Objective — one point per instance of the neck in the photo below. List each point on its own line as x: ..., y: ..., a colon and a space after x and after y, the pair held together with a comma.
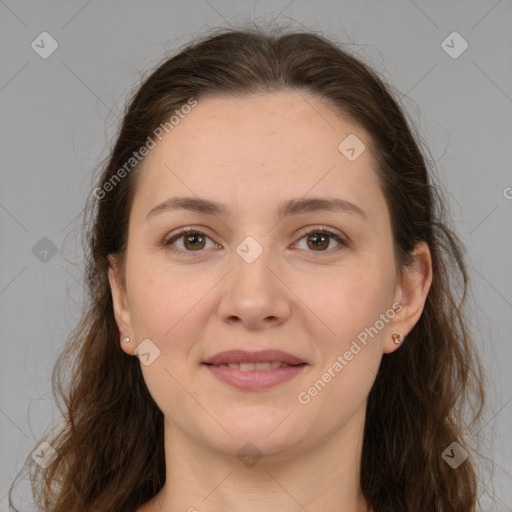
x: 324, y: 478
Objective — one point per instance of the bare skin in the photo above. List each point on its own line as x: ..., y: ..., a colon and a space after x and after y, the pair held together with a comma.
x: 308, y: 297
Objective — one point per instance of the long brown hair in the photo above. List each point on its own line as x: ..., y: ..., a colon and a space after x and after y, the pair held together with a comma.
x: 110, y: 450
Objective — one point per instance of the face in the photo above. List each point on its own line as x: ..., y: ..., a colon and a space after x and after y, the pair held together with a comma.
x: 318, y: 284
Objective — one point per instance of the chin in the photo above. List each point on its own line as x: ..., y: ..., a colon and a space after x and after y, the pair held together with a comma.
x: 266, y: 431
x: 255, y: 444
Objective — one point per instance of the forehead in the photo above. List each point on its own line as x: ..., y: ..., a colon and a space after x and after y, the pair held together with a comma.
x: 291, y: 123
x: 266, y: 145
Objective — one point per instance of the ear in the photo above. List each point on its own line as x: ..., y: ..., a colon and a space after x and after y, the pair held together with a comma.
x: 411, y: 293
x: 121, y: 307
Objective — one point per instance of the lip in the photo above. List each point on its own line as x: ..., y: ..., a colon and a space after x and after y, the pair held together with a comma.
x: 261, y: 356
x: 254, y: 380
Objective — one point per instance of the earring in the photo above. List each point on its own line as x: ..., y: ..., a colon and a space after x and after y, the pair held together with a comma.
x: 125, y: 340
x: 397, y: 338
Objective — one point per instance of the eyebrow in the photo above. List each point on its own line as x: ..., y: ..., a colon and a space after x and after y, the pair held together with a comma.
x: 286, y: 208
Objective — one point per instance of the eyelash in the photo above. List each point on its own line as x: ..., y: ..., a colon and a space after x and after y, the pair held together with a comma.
x: 319, y: 230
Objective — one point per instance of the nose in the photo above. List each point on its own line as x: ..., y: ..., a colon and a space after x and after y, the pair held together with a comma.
x: 254, y: 293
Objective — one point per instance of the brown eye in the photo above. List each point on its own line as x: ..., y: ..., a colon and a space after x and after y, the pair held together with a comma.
x: 318, y: 240
x: 192, y: 241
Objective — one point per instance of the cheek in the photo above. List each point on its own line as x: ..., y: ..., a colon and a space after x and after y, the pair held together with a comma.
x: 163, y: 306
x: 170, y: 307
x: 349, y: 349
x: 160, y: 297
x: 347, y: 301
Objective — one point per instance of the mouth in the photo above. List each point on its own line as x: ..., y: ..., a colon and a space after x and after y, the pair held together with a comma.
x: 254, y: 371
x: 250, y: 367
x: 244, y: 357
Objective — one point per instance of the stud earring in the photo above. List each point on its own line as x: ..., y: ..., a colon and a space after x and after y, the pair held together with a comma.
x: 125, y: 340
x: 397, y: 338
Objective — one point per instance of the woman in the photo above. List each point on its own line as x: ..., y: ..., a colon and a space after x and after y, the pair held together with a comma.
x: 274, y: 322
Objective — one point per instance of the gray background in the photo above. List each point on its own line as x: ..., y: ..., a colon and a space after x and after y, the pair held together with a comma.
x: 58, y: 116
